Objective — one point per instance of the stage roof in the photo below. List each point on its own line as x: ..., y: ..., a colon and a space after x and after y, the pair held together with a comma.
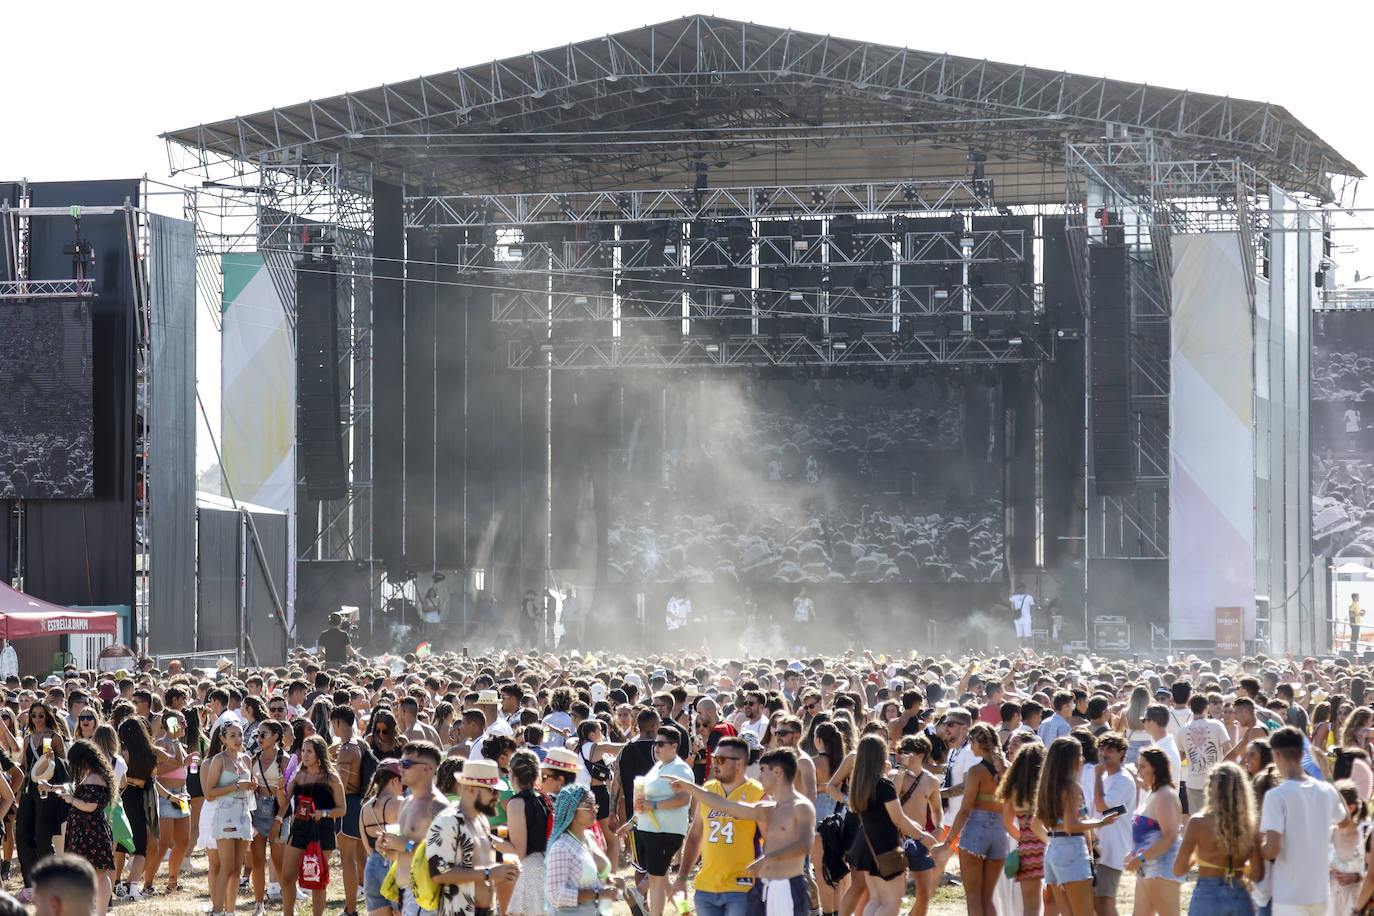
x: 762, y: 106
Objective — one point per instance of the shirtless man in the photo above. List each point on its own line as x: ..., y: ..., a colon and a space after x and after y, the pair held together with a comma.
x: 419, y: 762
x: 1246, y: 729
x: 348, y: 759
x: 788, y: 820
x: 919, y: 792
x: 789, y: 735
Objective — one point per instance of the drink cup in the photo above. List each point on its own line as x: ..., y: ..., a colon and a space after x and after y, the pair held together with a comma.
x: 640, y: 801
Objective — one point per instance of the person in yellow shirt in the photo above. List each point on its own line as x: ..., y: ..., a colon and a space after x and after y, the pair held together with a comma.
x: 726, y: 845
x: 1356, y: 615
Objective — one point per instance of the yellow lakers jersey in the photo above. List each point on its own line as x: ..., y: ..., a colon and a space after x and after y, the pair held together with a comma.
x: 727, y: 845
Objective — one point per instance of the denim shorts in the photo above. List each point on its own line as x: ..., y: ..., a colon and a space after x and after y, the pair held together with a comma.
x: 374, y: 873
x: 1066, y: 860
x: 721, y: 903
x: 1163, y: 866
x: 1219, y: 897
x: 825, y: 806
x: 170, y: 812
x: 984, y: 835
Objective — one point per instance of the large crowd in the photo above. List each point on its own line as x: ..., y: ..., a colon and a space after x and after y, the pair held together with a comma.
x: 543, y: 784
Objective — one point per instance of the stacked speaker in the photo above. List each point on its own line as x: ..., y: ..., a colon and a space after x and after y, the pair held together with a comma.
x: 1110, y: 337
x: 319, y: 432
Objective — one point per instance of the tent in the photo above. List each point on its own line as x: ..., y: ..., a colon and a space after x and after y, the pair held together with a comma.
x: 23, y: 616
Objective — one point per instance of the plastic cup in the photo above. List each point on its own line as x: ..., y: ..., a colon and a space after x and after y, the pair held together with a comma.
x: 640, y: 801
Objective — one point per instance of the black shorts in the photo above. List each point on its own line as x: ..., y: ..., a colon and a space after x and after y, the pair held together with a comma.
x: 305, y: 831
x: 602, y: 795
x: 654, y: 852
x: 353, y: 809
x: 756, y: 905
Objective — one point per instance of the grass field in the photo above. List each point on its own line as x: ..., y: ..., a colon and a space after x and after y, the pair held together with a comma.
x: 193, y: 897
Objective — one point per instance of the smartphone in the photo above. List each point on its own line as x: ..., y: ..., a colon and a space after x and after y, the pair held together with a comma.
x: 465, y: 652
x: 1116, y: 809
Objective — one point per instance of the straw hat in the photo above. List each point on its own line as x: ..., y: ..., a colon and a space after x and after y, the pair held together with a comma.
x: 481, y: 773
x: 488, y: 698
x: 44, y: 768
x: 560, y: 758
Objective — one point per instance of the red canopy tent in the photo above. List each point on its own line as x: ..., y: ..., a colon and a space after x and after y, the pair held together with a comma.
x: 23, y: 616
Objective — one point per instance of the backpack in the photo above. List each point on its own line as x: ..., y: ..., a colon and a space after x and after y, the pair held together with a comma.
x: 831, y: 831
x: 314, y: 868
x: 367, y: 766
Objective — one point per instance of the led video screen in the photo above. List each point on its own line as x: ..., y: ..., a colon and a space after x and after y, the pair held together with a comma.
x: 47, y: 438
x: 731, y: 479
x: 1343, y: 434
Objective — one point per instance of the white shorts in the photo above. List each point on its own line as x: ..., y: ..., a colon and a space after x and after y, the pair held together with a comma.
x: 1023, y: 628
x: 1300, y: 909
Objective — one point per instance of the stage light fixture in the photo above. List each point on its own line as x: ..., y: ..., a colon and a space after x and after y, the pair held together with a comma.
x: 712, y: 232
x: 760, y: 198
x: 622, y: 200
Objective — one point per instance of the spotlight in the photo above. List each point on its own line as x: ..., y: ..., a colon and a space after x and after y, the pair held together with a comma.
x: 760, y: 198
x: 622, y: 200
x: 817, y: 197
x: 909, y: 193
x: 712, y: 232
x: 900, y: 225
x: 795, y: 229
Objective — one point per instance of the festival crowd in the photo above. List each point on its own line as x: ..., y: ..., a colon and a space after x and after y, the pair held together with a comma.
x: 526, y: 784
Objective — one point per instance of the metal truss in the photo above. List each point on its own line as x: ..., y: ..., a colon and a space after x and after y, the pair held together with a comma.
x: 764, y: 202
x: 720, y: 83
x: 280, y: 210
x: 529, y: 305
x: 46, y: 289
x: 783, y: 351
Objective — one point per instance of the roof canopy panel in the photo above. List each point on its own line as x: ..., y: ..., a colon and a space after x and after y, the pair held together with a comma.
x: 759, y: 105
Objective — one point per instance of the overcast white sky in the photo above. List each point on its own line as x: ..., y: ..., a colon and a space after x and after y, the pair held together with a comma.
x: 180, y: 64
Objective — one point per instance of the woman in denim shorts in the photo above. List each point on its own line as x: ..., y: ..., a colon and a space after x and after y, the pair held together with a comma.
x: 1061, y: 809
x: 1154, y: 837
x: 983, y: 841
x: 1224, y: 837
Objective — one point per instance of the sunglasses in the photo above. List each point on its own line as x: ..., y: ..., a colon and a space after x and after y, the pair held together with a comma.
x: 407, y: 763
x: 720, y: 759
x: 85, y: 718
x: 382, y: 733
x: 784, y: 732
x: 811, y: 707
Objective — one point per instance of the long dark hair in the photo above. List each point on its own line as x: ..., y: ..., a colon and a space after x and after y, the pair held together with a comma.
x: 85, y: 757
x: 1161, y: 769
x: 827, y: 736
x: 138, y: 747
x: 1022, y: 779
x: 276, y: 729
x: 1058, y: 775
x: 870, y: 763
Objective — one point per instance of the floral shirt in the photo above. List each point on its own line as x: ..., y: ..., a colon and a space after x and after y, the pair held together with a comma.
x: 452, y: 842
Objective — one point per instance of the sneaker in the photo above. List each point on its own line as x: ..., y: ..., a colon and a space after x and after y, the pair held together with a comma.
x: 274, y: 891
x: 243, y: 883
x: 260, y: 910
x: 4, y: 871
x: 121, y: 889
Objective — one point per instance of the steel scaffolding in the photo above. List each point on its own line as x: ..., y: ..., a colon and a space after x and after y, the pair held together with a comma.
x: 280, y: 207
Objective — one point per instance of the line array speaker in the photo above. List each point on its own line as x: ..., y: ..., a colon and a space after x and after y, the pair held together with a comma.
x: 1110, y: 335
x: 319, y: 431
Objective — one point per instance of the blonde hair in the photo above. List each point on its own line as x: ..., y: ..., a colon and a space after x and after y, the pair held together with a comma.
x: 986, y: 739
x: 1358, y: 719
x: 1231, y: 803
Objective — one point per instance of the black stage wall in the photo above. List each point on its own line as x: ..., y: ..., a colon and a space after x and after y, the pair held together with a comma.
x: 81, y: 552
x: 474, y: 436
